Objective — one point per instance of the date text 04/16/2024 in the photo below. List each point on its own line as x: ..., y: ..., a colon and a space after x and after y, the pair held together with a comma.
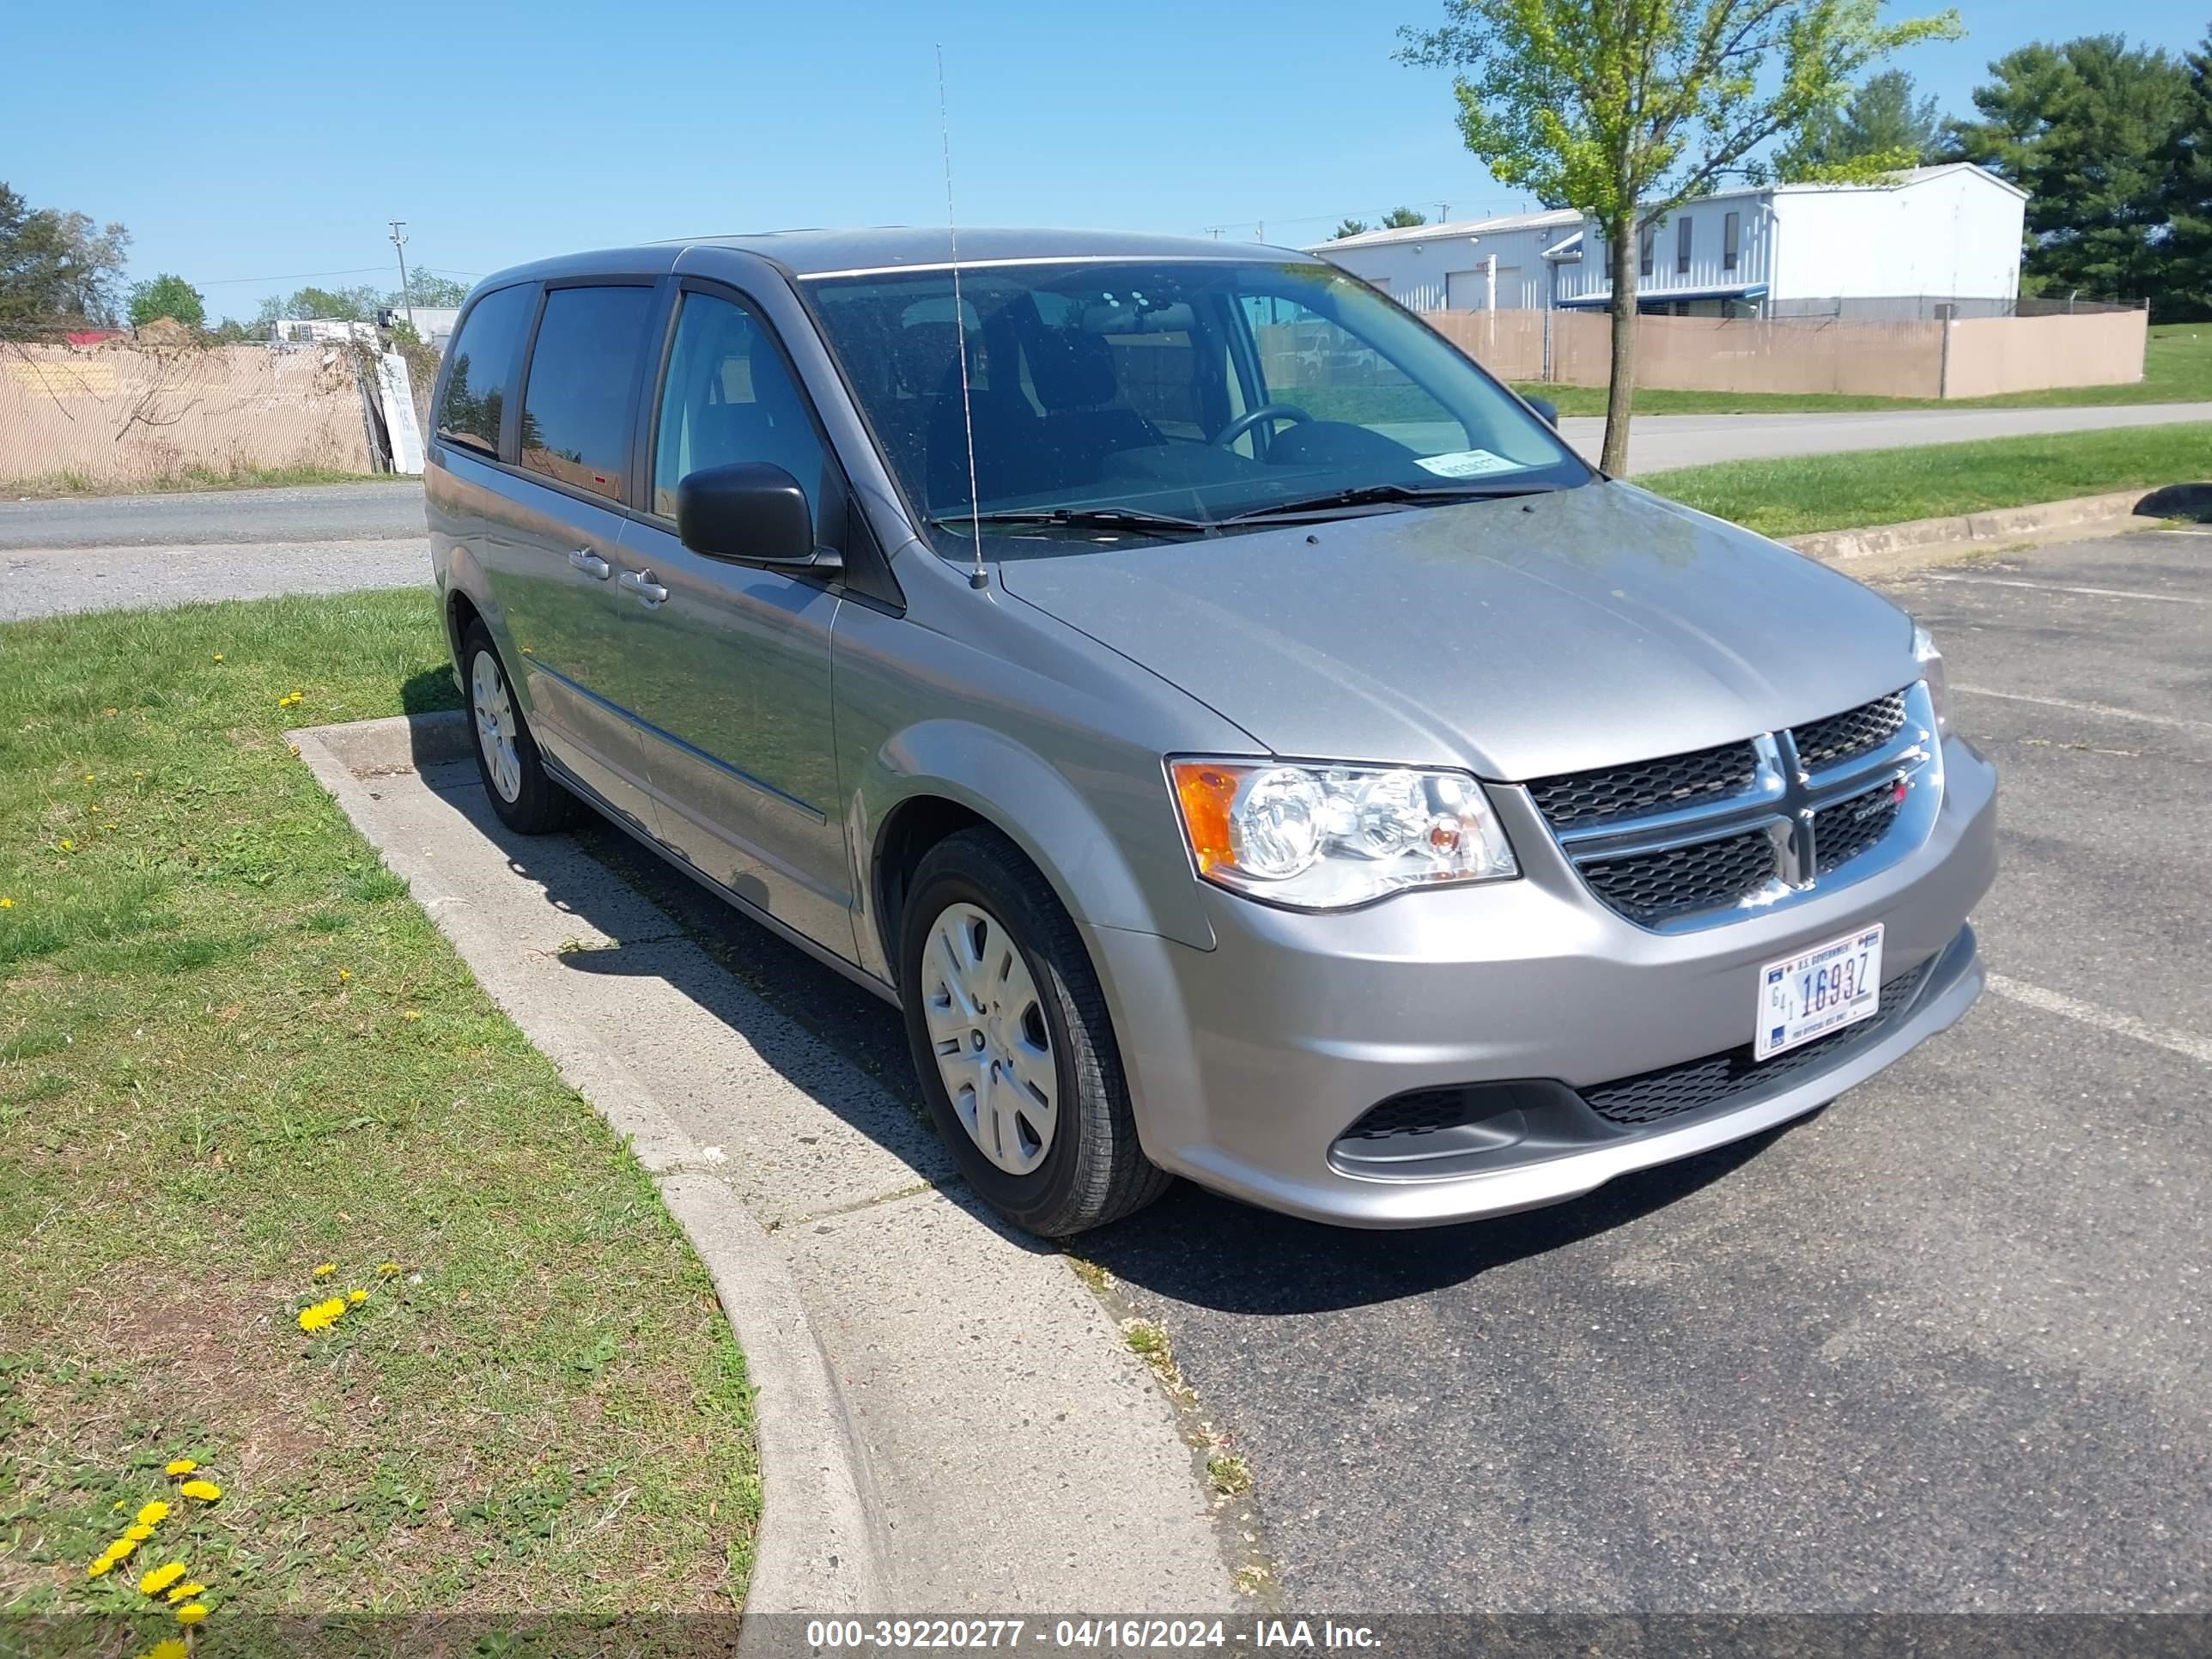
x: 1093, y: 1634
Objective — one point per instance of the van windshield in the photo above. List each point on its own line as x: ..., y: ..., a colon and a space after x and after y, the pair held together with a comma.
x: 1170, y: 396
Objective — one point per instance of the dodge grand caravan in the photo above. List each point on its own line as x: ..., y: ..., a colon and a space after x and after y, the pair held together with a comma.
x: 1240, y: 735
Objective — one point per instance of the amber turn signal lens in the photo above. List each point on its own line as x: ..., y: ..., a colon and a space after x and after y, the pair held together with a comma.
x: 1205, y: 790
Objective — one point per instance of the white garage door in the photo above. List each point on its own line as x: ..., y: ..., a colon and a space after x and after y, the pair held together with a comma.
x: 1469, y: 290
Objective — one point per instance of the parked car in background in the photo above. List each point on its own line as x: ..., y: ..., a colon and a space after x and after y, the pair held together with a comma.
x: 1241, y: 737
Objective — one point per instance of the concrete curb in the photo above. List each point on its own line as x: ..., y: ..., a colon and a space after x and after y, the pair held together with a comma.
x: 816, y: 1550
x: 2108, y: 515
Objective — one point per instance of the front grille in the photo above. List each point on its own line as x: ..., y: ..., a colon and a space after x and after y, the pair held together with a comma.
x: 1697, y: 1084
x: 1854, y: 732
x: 1842, y: 832
x: 1650, y: 887
x: 1659, y: 786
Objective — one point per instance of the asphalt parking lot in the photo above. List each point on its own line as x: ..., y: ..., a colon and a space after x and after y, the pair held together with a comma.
x: 1943, y: 1345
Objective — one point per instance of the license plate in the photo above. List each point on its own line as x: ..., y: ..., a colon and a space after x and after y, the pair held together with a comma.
x: 1820, y: 990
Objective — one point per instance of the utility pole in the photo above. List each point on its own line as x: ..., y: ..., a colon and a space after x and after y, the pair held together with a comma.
x: 399, y: 241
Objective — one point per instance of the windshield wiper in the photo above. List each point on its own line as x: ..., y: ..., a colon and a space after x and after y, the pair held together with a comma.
x: 1077, y: 518
x: 1377, y: 494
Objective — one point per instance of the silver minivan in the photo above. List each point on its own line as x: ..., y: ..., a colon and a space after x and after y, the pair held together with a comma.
x: 1237, y: 731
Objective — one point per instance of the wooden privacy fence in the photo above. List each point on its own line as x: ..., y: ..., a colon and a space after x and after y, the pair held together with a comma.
x: 1977, y: 358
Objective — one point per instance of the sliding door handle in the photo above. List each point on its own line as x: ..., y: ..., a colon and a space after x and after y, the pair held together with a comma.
x: 641, y: 582
x: 590, y: 562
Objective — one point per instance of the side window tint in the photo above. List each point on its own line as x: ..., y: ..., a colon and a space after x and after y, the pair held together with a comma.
x: 729, y: 397
x: 576, y: 407
x: 484, y: 363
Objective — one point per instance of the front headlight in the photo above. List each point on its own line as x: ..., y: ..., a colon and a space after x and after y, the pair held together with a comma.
x: 1323, y: 837
x: 1931, y: 673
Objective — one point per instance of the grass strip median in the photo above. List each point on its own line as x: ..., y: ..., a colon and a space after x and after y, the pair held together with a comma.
x: 1806, y: 493
x: 242, y: 1077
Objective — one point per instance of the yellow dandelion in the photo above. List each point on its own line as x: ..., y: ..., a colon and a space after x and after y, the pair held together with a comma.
x: 186, y: 1592
x: 356, y: 1296
x: 154, y: 1514
x: 323, y: 1270
x: 100, y: 1566
x: 108, y: 826
x: 6, y: 904
x: 192, y: 1613
x: 180, y: 1465
x: 161, y: 1578
x: 168, y: 1647
x: 91, y: 777
x: 206, y: 1491
x: 139, y: 1534
x: 122, y: 1546
x: 387, y: 1269
x: 218, y: 656
x: 345, y: 974
x: 68, y: 846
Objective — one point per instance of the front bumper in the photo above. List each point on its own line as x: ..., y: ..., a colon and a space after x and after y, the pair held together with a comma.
x: 1247, y: 1062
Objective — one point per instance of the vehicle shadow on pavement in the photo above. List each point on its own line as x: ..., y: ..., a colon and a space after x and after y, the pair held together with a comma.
x: 1199, y: 1247
x: 1192, y: 1246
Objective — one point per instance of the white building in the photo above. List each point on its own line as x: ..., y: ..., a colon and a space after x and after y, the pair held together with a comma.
x: 1906, y: 248
x: 1461, y: 267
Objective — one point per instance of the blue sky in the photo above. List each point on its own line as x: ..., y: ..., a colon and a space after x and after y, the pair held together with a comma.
x: 269, y: 144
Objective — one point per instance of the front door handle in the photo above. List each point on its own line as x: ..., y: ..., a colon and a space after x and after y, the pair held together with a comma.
x: 641, y: 582
x: 590, y: 562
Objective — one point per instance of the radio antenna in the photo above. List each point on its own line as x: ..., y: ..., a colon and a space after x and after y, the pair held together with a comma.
x: 979, y: 577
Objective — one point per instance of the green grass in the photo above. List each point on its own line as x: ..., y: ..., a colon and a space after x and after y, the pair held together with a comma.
x: 2177, y: 369
x: 232, y: 1049
x: 53, y: 485
x: 1795, y: 497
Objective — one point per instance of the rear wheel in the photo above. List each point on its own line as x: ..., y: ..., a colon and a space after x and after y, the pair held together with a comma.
x: 1012, y: 1042
x: 525, y: 798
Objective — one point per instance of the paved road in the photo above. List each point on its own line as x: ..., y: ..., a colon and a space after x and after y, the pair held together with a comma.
x: 1657, y: 442
x: 319, y: 512
x: 1941, y: 1347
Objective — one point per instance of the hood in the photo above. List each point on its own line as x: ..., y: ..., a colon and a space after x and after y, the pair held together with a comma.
x: 1519, y: 637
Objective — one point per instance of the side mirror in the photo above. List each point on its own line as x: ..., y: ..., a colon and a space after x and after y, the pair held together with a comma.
x: 1547, y: 409
x: 751, y: 511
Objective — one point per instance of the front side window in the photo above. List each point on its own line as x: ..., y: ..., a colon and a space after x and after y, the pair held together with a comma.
x: 730, y: 397
x: 483, y: 355
x: 583, y: 374
x: 1200, y: 390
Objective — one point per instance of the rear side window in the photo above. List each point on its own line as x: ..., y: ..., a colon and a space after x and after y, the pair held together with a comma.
x: 484, y: 357
x: 583, y: 375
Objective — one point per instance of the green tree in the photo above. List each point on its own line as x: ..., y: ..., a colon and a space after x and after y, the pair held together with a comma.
x: 56, y: 268
x: 1350, y: 228
x: 1403, y: 218
x: 1885, y: 121
x: 2189, y: 197
x: 2090, y: 130
x: 345, y: 305
x: 428, y: 288
x: 1627, y: 108
x: 168, y: 295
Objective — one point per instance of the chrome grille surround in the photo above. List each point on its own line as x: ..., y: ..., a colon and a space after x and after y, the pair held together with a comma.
x: 1864, y: 794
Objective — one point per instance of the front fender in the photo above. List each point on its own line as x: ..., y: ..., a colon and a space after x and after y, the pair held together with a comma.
x: 1081, y: 843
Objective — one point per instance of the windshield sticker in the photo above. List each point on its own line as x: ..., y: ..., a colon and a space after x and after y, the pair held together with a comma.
x: 1466, y: 464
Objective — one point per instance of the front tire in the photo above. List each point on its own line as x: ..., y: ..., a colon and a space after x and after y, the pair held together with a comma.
x: 524, y: 795
x: 1012, y: 1042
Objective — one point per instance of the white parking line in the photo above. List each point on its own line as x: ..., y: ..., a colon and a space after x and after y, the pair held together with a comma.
x: 2085, y: 707
x: 2062, y: 587
x: 2105, y: 1019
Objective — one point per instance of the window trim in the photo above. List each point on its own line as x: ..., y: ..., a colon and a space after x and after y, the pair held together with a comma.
x: 1647, y: 239
x: 1731, y: 240
x: 1683, y: 244
x: 511, y: 432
